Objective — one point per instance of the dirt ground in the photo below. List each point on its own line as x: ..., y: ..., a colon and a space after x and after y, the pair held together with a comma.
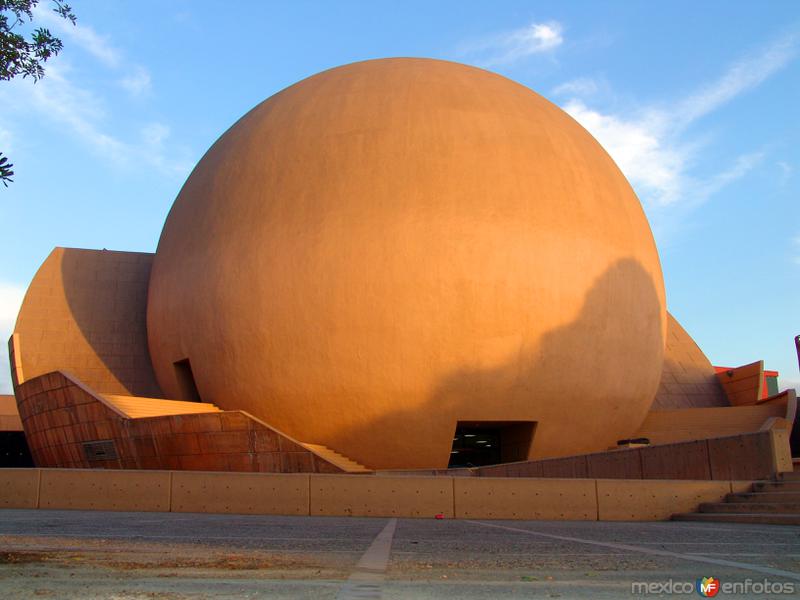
x: 75, y: 554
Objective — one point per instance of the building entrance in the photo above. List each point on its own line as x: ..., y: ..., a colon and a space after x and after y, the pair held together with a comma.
x: 476, y: 444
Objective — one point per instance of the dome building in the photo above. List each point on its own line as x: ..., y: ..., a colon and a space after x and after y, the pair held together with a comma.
x: 389, y: 249
x: 394, y: 264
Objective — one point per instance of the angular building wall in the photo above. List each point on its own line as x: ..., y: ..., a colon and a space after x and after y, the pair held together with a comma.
x: 687, y: 379
x: 69, y: 425
x: 84, y: 313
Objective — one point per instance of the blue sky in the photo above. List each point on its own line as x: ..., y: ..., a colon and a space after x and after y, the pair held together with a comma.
x: 699, y: 104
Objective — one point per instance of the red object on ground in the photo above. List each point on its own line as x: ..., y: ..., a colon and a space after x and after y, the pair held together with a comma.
x: 440, y: 516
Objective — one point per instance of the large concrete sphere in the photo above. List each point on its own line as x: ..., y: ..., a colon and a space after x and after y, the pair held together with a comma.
x: 387, y: 248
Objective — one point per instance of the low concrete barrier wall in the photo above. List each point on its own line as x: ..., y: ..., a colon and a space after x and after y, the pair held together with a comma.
x: 240, y: 493
x: 88, y: 489
x: 358, y: 495
x: 19, y: 488
x: 755, y: 455
x: 516, y: 498
x: 632, y: 500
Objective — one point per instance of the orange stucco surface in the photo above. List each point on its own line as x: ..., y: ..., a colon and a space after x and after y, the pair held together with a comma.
x: 387, y: 248
x: 743, y: 385
x: 84, y: 312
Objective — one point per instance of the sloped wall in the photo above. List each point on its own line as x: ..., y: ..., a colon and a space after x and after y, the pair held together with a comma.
x: 687, y: 380
x: 60, y: 415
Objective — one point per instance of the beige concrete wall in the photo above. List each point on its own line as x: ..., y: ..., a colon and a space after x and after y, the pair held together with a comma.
x: 242, y: 493
x: 19, y: 488
x: 781, y: 451
x: 757, y: 455
x: 87, y: 489
x: 630, y: 500
x: 667, y: 426
x: 360, y: 496
x: 499, y: 498
x: 353, y: 495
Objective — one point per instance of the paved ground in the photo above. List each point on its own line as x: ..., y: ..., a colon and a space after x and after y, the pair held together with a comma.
x: 75, y: 554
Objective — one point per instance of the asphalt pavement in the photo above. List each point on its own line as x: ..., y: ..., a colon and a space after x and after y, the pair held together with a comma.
x: 81, y: 554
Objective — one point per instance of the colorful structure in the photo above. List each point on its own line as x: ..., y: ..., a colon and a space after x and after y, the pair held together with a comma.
x: 395, y: 264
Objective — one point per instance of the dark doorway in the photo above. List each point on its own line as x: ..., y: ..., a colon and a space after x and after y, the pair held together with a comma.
x: 476, y: 444
x: 186, y: 385
x: 14, y: 452
x: 794, y: 437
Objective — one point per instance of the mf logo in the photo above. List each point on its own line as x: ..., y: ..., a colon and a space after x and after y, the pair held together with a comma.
x: 708, y: 587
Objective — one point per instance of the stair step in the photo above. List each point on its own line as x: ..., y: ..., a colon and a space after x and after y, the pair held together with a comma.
x: 751, y: 507
x: 783, y: 497
x: 789, y: 476
x: 759, y: 518
x: 136, y: 407
x: 344, y: 463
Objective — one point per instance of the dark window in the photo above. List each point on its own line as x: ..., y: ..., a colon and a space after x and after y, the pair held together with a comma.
x: 186, y: 385
x: 14, y: 452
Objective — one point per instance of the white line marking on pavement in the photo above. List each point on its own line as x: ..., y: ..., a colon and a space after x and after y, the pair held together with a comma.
x: 366, y: 579
x: 652, y: 551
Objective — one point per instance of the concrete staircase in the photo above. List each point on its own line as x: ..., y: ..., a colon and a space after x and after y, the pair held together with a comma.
x: 344, y: 463
x: 135, y: 407
x: 774, y: 502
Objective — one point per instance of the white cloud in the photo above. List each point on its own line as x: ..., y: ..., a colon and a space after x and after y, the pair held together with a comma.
x: 512, y: 46
x: 741, y: 166
x: 75, y: 108
x: 137, y: 82
x: 650, y: 145
x: 67, y: 104
x: 11, y: 295
x: 740, y: 77
x: 78, y: 110
x: 96, y: 45
x: 153, y: 148
x: 639, y: 148
x: 582, y: 86
x: 537, y: 37
x: 81, y: 35
x: 154, y: 134
x: 84, y: 114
